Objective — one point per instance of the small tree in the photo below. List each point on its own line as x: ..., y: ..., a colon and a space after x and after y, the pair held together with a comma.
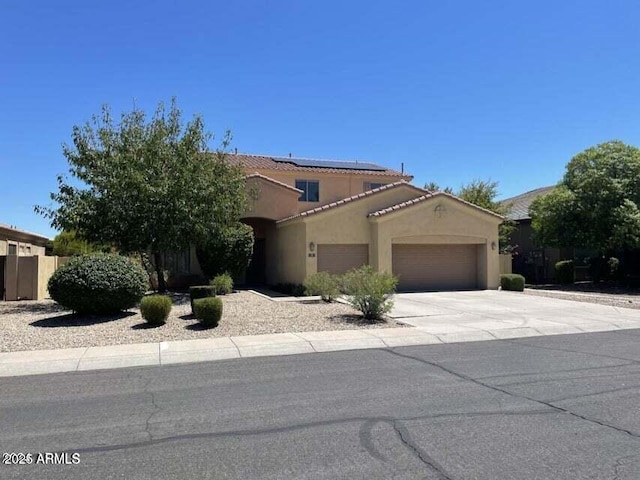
x: 147, y: 185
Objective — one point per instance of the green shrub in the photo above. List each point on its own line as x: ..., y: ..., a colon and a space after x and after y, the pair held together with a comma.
x: 512, y: 281
x: 228, y: 250
x: 369, y: 291
x: 155, y: 309
x: 98, y: 283
x: 200, y: 291
x: 564, y: 272
x: 323, y: 284
x: 223, y: 284
x: 208, y: 310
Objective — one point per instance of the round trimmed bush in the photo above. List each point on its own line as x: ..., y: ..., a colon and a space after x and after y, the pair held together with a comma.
x: 155, y: 309
x: 223, y: 284
x: 208, y: 310
x: 200, y: 291
x: 99, y: 283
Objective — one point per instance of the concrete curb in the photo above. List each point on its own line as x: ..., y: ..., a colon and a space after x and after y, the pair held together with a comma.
x: 209, y: 349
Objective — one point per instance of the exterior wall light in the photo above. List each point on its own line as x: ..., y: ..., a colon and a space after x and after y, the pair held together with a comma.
x: 493, y: 245
x: 312, y: 246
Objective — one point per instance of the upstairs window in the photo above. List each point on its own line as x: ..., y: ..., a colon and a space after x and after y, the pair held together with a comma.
x: 310, y: 190
x: 372, y: 185
x: 13, y: 249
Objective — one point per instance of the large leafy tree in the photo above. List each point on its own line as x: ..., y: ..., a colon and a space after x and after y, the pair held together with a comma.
x: 147, y: 185
x: 483, y: 193
x: 596, y: 206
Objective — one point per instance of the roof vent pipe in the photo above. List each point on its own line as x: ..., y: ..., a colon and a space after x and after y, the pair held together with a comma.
x: 236, y: 149
x: 289, y: 154
x: 402, y: 168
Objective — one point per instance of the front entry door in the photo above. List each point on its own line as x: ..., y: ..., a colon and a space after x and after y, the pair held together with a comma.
x: 256, y: 273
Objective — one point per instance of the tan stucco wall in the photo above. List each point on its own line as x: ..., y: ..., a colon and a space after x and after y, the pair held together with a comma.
x: 291, y: 254
x: 347, y: 224
x: 333, y: 187
x: 505, y: 263
x: 270, y: 201
x: 453, y: 222
x: 26, y: 278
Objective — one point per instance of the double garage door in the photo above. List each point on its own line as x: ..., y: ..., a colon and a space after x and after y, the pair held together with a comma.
x: 419, y: 267
x: 435, y: 267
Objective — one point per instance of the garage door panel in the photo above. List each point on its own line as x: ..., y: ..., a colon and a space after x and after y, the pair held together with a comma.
x: 340, y: 258
x: 435, y: 267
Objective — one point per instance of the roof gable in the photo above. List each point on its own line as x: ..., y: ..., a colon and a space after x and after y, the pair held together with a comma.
x: 429, y: 196
x: 258, y: 176
x: 345, y: 201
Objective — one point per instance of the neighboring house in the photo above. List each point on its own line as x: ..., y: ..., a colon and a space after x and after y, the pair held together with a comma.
x: 318, y: 215
x: 15, y: 246
x: 19, y: 242
x: 535, y: 263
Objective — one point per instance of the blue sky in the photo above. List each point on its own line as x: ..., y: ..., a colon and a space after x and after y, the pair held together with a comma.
x: 456, y: 90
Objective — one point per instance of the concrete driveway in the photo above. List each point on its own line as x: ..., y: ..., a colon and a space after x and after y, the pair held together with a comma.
x: 479, y: 315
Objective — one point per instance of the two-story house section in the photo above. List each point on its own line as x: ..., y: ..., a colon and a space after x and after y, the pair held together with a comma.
x: 324, y: 215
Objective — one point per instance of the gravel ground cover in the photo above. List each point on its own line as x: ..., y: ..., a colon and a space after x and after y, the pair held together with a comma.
x: 613, y: 300
x: 30, y: 325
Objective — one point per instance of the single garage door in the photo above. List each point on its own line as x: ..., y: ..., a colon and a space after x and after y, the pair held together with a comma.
x: 340, y: 258
x: 435, y: 267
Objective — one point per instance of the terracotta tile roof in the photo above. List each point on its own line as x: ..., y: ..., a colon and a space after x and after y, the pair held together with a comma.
x: 344, y: 201
x: 423, y: 198
x: 275, y: 182
x: 520, y: 203
x: 265, y: 162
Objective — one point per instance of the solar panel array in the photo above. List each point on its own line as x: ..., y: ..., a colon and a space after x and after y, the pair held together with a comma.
x: 331, y: 164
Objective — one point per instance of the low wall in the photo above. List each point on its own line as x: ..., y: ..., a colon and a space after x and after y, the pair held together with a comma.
x: 505, y: 263
x: 26, y: 278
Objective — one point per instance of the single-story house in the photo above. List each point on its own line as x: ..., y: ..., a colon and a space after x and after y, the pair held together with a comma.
x: 319, y: 215
x: 17, y: 245
x: 535, y: 263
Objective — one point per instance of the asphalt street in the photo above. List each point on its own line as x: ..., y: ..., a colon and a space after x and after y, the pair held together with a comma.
x: 555, y: 407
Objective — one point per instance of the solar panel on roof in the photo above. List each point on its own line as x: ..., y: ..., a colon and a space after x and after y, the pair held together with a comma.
x: 331, y: 164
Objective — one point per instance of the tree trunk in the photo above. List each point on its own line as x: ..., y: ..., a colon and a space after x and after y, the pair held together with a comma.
x: 157, y: 260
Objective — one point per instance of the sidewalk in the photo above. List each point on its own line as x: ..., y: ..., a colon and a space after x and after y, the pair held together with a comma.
x: 189, y: 351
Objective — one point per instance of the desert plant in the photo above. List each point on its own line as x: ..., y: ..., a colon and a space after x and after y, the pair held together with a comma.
x: 512, y: 281
x: 323, y: 284
x: 369, y: 291
x: 223, y: 284
x: 208, y: 310
x: 155, y: 309
x: 564, y: 272
x: 98, y: 283
x: 200, y: 291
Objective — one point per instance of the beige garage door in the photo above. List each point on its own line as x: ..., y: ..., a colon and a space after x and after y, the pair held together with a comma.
x: 340, y: 258
x: 435, y: 267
